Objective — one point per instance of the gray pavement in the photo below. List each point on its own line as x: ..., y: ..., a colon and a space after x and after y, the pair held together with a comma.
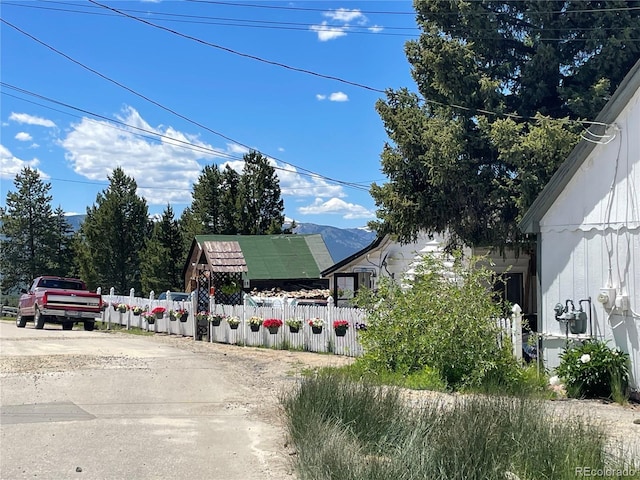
x: 91, y: 405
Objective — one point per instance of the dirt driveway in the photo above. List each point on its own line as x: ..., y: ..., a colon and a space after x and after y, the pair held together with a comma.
x: 248, y: 381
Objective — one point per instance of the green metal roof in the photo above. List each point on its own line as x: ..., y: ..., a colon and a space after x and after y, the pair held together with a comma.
x: 274, y: 257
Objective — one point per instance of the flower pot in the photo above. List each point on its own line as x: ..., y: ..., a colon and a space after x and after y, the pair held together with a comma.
x: 202, y: 322
x: 216, y: 322
x: 316, y: 329
x: 273, y: 330
x: 159, y: 315
x: 172, y: 317
x: 184, y: 317
x: 340, y: 332
x: 234, y: 326
x: 294, y: 329
x: 254, y: 328
x: 151, y: 320
x: 137, y: 314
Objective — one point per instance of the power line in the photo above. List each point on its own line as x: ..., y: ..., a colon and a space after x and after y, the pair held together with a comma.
x: 373, y: 12
x: 434, y: 102
x: 235, y: 52
x: 425, y: 100
x: 134, y: 92
x: 184, y: 144
x: 305, y: 27
x: 224, y: 21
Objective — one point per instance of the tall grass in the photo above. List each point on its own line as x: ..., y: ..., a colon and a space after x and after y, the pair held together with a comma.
x: 351, y: 430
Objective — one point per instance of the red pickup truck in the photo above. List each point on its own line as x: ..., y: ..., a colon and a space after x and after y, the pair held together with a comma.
x: 59, y: 300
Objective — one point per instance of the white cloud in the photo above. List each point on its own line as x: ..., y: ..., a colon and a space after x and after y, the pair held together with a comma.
x: 327, y: 32
x: 11, y: 165
x: 334, y: 97
x: 164, y: 169
x: 336, y: 206
x: 235, y: 148
x: 338, y: 97
x: 281, y: 149
x: 31, y: 120
x: 344, y: 15
x: 375, y: 29
x: 296, y: 185
x: 23, y: 137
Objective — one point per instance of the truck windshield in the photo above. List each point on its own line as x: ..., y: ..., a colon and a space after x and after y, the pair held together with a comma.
x: 62, y: 284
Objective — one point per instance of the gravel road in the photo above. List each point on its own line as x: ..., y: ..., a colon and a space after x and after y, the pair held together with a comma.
x: 264, y: 375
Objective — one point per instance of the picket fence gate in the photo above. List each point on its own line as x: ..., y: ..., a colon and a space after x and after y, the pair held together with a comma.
x: 324, y: 342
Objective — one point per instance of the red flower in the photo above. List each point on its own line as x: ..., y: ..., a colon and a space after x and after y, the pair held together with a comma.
x: 272, y: 322
x: 158, y: 310
x: 340, y: 324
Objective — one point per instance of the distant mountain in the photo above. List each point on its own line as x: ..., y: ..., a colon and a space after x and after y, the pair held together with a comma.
x: 341, y: 242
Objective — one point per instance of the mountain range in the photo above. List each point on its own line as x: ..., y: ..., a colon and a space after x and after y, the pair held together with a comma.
x: 341, y: 242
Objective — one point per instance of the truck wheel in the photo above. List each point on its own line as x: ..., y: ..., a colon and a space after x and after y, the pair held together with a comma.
x: 38, y: 320
x: 20, y: 321
x: 67, y: 325
x: 88, y: 326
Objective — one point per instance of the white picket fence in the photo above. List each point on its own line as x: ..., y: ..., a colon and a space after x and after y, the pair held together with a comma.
x: 326, y: 341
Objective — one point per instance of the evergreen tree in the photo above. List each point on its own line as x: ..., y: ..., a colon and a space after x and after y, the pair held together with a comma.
x: 63, y: 256
x: 230, y: 203
x: 163, y: 256
x: 206, y: 205
x: 115, y: 231
x: 262, y: 206
x: 190, y: 226
x: 27, y: 231
x: 454, y: 167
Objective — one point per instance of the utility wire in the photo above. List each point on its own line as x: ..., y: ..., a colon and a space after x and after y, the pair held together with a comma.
x: 366, y: 87
x: 235, y: 52
x: 163, y: 107
x: 373, y: 12
x: 183, y: 143
x: 297, y: 26
x: 224, y: 21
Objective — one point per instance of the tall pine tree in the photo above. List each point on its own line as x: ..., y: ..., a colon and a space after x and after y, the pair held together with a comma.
x: 27, y: 230
x: 163, y: 256
x: 115, y: 231
x: 262, y: 205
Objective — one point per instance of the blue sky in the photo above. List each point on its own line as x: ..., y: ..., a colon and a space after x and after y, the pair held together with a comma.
x: 75, y: 126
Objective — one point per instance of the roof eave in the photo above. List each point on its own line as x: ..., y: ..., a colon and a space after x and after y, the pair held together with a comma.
x: 353, y: 257
x: 530, y: 222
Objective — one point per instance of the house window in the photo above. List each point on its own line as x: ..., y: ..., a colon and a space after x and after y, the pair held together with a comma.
x: 345, y: 288
x: 510, y: 288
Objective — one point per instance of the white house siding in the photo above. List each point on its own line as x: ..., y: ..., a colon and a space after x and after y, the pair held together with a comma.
x: 590, y: 238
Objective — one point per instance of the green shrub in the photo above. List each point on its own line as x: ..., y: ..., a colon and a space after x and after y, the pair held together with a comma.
x: 593, y: 370
x: 444, y: 320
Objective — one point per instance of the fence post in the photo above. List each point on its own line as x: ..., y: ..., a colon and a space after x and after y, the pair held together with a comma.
x: 152, y: 296
x: 516, y: 331
x: 112, y: 292
x: 169, y: 303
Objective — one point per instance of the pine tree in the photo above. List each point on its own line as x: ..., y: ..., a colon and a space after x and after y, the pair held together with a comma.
x: 206, y: 205
x: 454, y: 167
x: 115, y: 231
x: 63, y: 256
x: 163, y: 256
x: 230, y: 202
x: 262, y: 206
x: 27, y: 227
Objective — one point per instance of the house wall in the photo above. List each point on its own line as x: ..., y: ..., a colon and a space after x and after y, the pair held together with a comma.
x: 590, y: 239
